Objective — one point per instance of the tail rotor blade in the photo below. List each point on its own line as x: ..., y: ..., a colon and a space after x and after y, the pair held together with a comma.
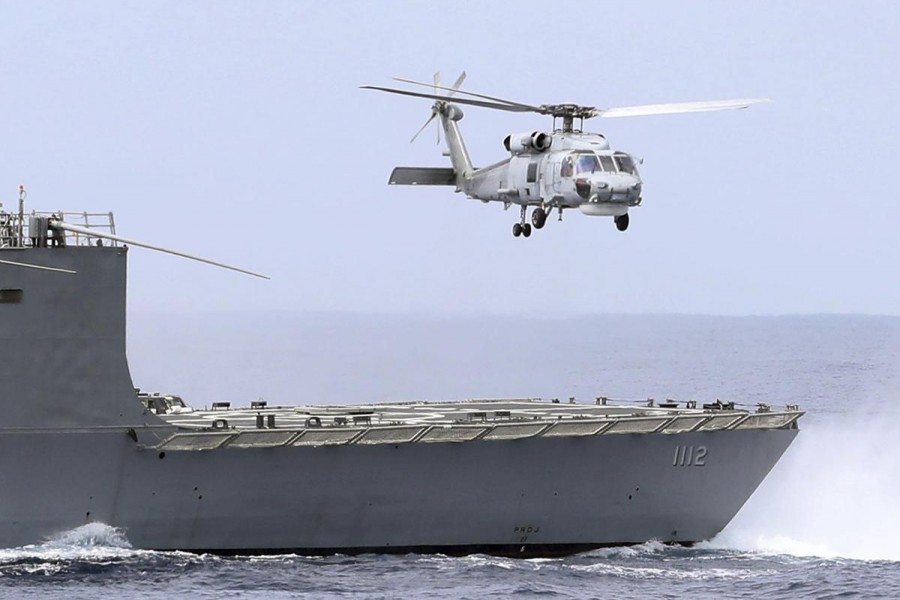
x: 437, y: 88
x: 430, y: 119
x: 457, y: 83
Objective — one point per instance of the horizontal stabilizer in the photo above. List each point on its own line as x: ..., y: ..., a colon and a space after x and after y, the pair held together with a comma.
x: 423, y: 176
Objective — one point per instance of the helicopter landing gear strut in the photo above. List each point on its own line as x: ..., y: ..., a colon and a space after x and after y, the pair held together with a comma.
x: 538, y: 220
x: 521, y: 228
x: 622, y: 222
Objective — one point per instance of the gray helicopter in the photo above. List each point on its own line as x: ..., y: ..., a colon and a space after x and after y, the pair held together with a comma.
x: 568, y: 168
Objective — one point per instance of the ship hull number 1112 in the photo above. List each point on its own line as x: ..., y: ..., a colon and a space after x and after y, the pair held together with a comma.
x: 689, y: 456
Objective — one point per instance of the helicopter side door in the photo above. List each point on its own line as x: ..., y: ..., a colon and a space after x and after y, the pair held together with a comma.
x: 551, y: 176
x: 524, y: 176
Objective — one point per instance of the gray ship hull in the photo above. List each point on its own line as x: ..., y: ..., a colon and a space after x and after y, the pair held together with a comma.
x: 532, y: 496
x: 77, y: 446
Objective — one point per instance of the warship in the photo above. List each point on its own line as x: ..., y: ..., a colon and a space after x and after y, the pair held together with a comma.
x: 522, y: 477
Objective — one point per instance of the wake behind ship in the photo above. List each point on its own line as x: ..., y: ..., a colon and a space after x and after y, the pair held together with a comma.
x: 522, y: 477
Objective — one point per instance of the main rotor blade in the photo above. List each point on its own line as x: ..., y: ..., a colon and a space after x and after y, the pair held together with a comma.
x: 678, y: 107
x: 42, y: 268
x: 109, y: 236
x: 473, y: 94
x: 510, y: 108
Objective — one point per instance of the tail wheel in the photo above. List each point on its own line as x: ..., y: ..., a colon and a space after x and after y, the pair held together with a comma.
x: 517, y: 230
x: 622, y: 222
x: 526, y: 229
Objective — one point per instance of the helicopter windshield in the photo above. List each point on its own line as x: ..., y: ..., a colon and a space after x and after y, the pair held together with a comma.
x: 607, y: 163
x: 587, y: 163
x: 579, y: 163
x: 625, y: 163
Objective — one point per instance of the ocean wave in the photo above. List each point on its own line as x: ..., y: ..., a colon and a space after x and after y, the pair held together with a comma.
x: 647, y: 548
x: 91, y: 541
x: 89, y: 549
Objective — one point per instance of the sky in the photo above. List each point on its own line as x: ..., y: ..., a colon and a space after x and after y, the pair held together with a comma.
x: 237, y: 131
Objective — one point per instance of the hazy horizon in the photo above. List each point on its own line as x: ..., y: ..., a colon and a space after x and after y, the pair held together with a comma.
x: 340, y: 358
x: 485, y: 314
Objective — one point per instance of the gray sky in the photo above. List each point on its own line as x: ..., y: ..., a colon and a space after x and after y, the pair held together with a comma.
x: 236, y: 130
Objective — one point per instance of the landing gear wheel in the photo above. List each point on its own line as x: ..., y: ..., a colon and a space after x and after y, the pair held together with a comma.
x: 538, y: 218
x: 526, y: 229
x: 622, y: 222
x: 517, y: 230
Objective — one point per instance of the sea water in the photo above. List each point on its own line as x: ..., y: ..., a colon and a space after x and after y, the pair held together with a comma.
x: 824, y: 524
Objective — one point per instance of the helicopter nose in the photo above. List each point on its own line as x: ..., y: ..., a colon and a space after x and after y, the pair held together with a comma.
x: 621, y: 189
x: 627, y: 189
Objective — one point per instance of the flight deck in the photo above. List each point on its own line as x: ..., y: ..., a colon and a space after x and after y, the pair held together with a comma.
x: 222, y: 425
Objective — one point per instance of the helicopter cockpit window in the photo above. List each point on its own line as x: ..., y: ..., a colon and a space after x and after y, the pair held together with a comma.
x: 587, y: 163
x: 608, y: 164
x: 626, y: 163
x: 568, y: 167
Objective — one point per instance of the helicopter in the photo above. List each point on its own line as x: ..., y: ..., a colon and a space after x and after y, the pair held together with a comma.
x: 562, y: 169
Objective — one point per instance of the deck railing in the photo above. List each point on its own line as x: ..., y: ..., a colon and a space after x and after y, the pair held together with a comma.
x: 15, y: 229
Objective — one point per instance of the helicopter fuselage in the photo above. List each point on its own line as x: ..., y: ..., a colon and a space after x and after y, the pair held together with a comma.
x: 573, y: 170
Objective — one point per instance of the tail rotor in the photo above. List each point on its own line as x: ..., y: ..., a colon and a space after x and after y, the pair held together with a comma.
x: 438, y: 105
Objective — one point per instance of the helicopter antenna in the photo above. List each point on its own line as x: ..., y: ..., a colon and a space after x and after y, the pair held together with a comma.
x: 59, y: 224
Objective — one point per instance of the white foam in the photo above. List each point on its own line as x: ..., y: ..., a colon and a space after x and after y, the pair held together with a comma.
x: 836, y: 493
x: 95, y: 541
x: 651, y: 547
x: 667, y: 572
x: 92, y: 534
